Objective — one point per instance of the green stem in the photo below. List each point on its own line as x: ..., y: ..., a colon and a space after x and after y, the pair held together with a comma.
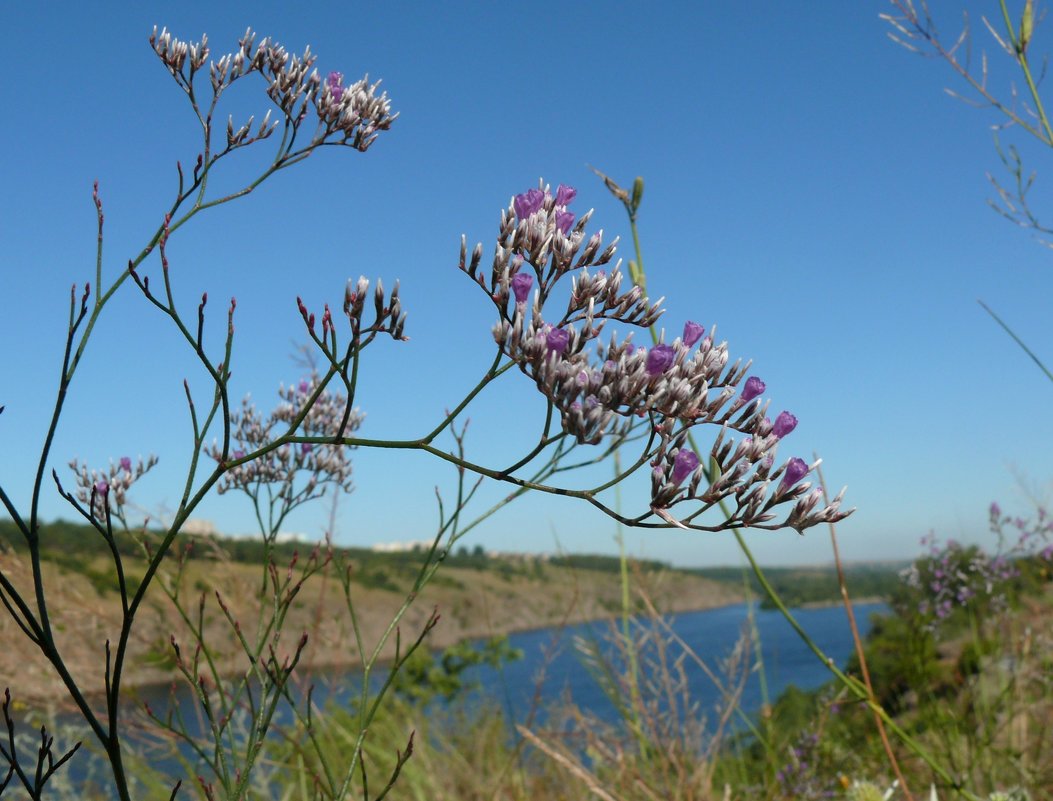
x: 635, y: 703
x: 1020, y: 51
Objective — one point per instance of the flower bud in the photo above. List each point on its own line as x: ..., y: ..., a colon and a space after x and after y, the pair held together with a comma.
x: 565, y: 194
x: 660, y: 359
x: 754, y: 387
x: 528, y: 202
x: 521, y: 284
x: 557, y: 339
x: 692, y: 333
x: 564, y: 220
x: 796, y: 469
x: 784, y: 424
x: 683, y: 465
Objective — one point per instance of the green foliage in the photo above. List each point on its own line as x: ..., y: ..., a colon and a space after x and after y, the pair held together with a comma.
x: 901, y: 656
x: 426, y: 676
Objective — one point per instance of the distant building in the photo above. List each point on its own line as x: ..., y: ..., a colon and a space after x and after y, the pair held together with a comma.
x: 200, y: 527
x: 402, y: 547
x: 291, y: 536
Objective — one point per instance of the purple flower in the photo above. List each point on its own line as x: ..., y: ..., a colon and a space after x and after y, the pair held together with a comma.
x: 660, y: 359
x: 238, y: 454
x: 306, y: 448
x: 754, y: 387
x: 521, y: 284
x: 102, y: 487
x: 556, y: 340
x: 334, y: 82
x: 996, y: 510
x: 564, y: 219
x: 784, y: 424
x: 304, y: 387
x: 126, y: 464
x: 796, y: 469
x: 565, y: 194
x: 528, y: 202
x: 683, y: 465
x: 692, y: 333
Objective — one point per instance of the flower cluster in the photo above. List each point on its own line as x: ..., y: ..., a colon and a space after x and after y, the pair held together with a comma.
x: 601, y: 388
x: 538, y: 233
x: 954, y: 576
x: 353, y: 115
x: 322, y: 463
x: 108, y: 489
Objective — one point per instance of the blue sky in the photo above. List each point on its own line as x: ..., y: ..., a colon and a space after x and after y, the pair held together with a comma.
x: 810, y: 188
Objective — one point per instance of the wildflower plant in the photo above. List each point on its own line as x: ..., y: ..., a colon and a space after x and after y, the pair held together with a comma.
x: 601, y: 393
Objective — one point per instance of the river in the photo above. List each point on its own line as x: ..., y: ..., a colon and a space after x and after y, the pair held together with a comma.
x: 553, y: 667
x: 713, y: 634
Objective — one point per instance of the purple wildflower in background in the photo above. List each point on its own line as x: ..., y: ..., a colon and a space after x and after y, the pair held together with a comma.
x: 126, y: 464
x: 528, y: 202
x: 564, y: 219
x: 799, y: 778
x: 754, y: 387
x: 102, y: 487
x: 796, y: 469
x: 683, y: 465
x: 565, y: 194
x: 304, y: 387
x: 692, y: 333
x: 306, y: 448
x: 238, y: 454
x: 335, y: 81
x: 784, y: 424
x: 660, y: 359
x: 521, y: 284
x: 557, y: 340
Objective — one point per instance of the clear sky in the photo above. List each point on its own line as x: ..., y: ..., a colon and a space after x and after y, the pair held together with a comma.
x: 810, y: 188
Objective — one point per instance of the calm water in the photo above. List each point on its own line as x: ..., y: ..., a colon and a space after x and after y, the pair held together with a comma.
x: 712, y: 634
x: 552, y: 667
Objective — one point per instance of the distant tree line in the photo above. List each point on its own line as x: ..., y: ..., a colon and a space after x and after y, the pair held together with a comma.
x: 803, y: 585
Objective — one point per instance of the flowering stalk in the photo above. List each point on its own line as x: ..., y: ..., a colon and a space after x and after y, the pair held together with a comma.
x: 351, y: 116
